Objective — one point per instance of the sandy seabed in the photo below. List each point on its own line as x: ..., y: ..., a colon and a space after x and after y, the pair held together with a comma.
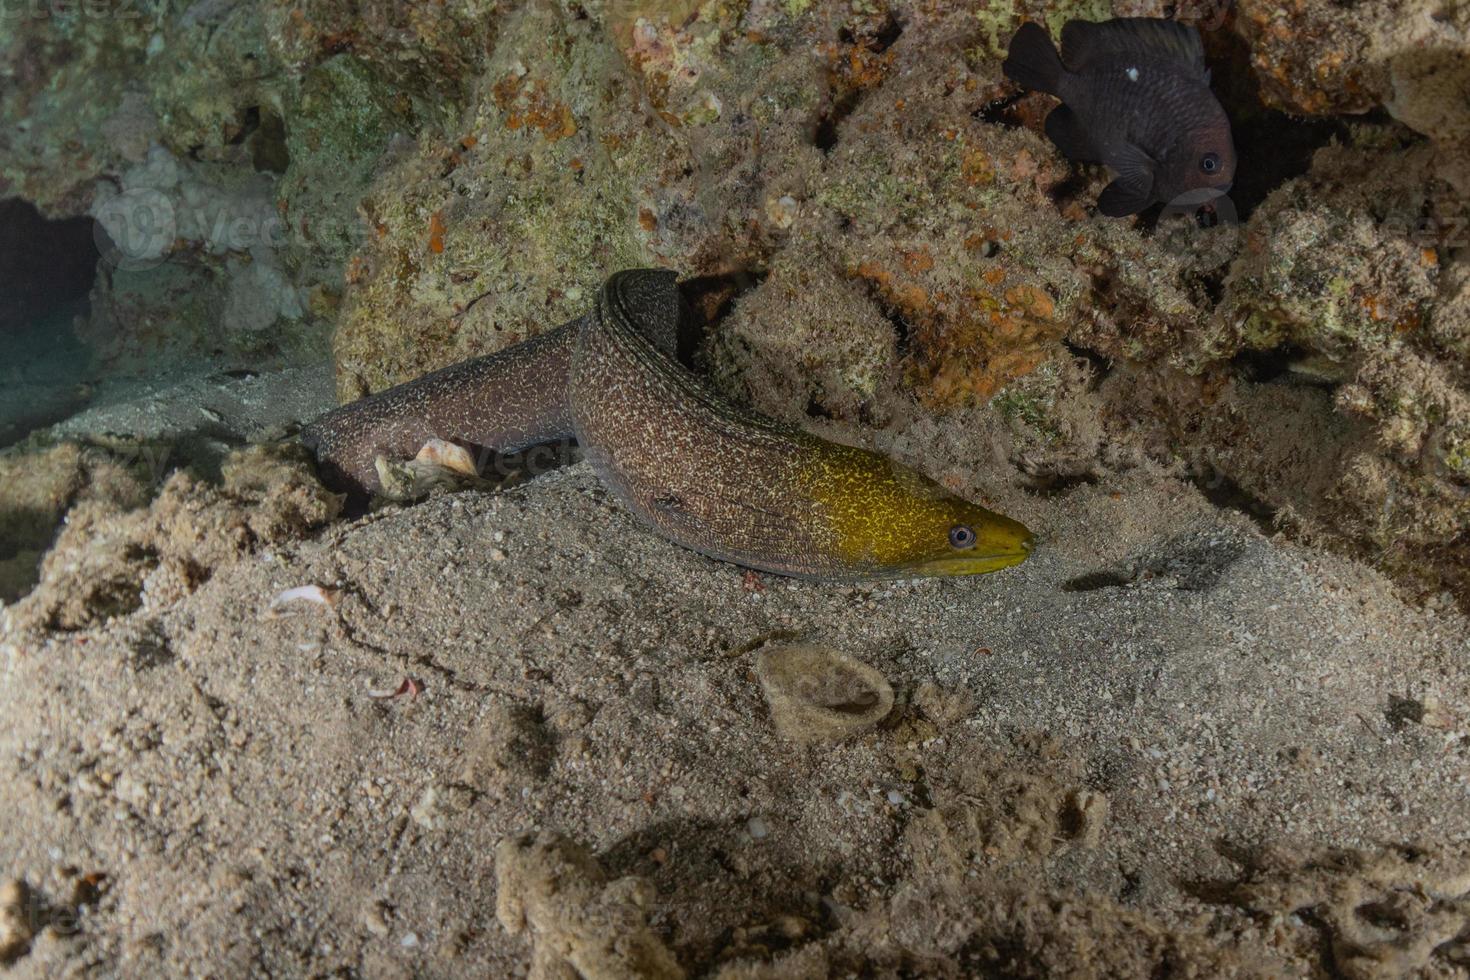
x: 1166, y: 745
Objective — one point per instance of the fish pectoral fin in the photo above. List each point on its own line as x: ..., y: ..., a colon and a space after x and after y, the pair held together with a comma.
x: 1133, y: 190
x: 1065, y: 130
x: 1121, y: 198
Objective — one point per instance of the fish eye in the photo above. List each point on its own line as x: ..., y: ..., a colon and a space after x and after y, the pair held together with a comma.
x: 961, y: 536
x: 1210, y: 162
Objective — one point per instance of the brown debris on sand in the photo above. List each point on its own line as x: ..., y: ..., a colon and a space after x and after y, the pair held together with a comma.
x: 580, y: 923
x: 113, y: 556
x: 816, y: 693
x: 1384, y: 911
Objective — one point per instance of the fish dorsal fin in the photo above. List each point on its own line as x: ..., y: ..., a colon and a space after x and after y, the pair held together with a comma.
x: 1154, y: 38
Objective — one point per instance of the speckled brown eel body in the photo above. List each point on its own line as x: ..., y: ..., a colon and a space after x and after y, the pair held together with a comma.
x: 502, y: 402
x: 744, y: 488
x: 705, y: 473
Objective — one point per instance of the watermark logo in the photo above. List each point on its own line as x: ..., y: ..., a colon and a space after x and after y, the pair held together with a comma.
x: 1202, y: 225
x: 68, y: 10
x: 135, y: 230
x: 140, y: 228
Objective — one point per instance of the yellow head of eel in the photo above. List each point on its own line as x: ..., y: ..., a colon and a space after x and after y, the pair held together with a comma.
x: 895, y: 521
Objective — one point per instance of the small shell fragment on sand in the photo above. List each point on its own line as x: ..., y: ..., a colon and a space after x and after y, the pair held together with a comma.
x: 409, y: 687
x: 817, y: 694
x: 313, y: 594
x: 438, y: 465
x: 449, y: 456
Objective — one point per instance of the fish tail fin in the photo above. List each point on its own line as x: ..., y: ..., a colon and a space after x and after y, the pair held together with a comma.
x: 1032, y: 60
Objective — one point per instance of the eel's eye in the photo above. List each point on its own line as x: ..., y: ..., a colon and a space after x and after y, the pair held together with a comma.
x: 1210, y: 162
x: 961, y: 536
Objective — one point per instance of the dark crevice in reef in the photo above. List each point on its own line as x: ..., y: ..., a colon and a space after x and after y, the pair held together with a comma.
x: 903, y: 330
x: 264, y: 133
x: 1058, y: 484
x: 44, y: 264
x: 1212, y: 285
x: 1225, y: 493
x: 47, y: 269
x: 886, y: 34
x: 705, y: 301
x: 1001, y: 112
x: 1101, y: 366
x: 1277, y: 365
x: 268, y: 151
x: 246, y: 127
x: 825, y: 137
x: 1261, y: 366
x: 854, y: 75
x: 1272, y: 146
x: 1069, y: 188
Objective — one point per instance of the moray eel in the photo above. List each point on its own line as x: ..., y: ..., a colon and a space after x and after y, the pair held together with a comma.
x: 705, y: 473
x: 738, y: 486
x: 505, y: 401
x: 500, y: 403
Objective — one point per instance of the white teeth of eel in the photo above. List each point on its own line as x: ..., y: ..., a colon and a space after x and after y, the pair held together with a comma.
x: 703, y: 472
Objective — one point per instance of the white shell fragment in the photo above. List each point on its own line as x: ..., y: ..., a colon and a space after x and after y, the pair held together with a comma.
x: 409, y: 686
x: 438, y: 465
x: 313, y: 594
x: 447, y: 455
x: 782, y: 211
x: 817, y: 694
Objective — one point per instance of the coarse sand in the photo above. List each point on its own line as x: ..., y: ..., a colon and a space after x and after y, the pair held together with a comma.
x: 515, y: 731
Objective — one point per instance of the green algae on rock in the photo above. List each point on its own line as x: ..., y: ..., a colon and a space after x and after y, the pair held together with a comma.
x: 341, y: 121
x: 482, y: 237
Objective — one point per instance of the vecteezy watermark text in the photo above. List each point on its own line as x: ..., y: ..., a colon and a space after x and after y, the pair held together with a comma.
x: 140, y: 228
x: 68, y: 10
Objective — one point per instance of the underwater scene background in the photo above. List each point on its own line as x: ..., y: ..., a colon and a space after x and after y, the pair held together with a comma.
x: 1217, y: 722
